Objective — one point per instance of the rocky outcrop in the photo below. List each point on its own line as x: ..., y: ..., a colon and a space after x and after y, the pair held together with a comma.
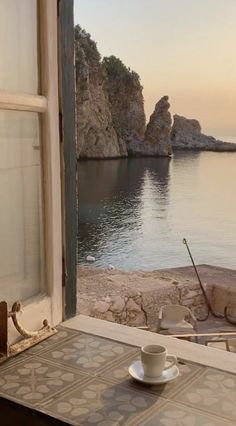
x: 157, y: 134
x: 110, y: 108
x: 126, y: 100
x: 110, y: 112
x: 186, y: 134
x: 96, y: 135
x: 157, y: 138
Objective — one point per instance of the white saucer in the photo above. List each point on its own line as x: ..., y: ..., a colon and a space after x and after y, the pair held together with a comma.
x: 136, y: 371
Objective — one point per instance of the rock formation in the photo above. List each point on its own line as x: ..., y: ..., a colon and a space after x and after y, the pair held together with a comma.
x: 96, y: 136
x: 157, y: 141
x: 110, y: 108
x: 126, y: 100
x: 110, y: 112
x: 186, y: 134
x: 157, y: 134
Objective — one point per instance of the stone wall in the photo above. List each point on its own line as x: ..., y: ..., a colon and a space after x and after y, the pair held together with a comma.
x: 133, y: 298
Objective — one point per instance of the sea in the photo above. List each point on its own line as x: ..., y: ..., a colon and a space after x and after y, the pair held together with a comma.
x: 134, y: 213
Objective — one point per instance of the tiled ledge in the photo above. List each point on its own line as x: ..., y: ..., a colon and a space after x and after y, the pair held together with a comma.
x: 76, y: 378
x: 193, y: 352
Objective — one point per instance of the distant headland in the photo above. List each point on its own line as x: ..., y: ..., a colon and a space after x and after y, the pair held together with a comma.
x: 111, y: 121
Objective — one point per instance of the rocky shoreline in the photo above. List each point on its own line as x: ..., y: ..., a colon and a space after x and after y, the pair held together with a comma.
x: 135, y: 297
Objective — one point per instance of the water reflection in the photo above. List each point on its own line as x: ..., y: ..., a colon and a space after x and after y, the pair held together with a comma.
x: 133, y: 213
x: 111, y: 199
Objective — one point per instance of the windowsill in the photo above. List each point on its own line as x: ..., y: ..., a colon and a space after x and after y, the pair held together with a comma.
x: 80, y: 376
x: 188, y: 351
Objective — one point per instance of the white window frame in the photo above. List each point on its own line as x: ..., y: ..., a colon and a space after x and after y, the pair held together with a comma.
x: 48, y: 304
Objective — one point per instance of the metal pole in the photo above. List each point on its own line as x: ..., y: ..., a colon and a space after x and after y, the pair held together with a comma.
x: 231, y: 320
x: 199, y: 280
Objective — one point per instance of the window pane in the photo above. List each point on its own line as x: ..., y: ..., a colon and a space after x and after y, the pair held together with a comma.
x: 18, y: 46
x: 21, y: 242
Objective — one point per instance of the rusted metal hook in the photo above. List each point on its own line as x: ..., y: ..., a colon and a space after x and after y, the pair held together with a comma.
x: 30, y: 338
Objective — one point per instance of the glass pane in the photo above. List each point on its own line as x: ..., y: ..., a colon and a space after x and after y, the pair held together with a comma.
x: 18, y: 46
x: 21, y: 242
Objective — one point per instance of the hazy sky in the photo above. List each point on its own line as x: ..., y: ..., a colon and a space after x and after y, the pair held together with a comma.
x: 183, y: 48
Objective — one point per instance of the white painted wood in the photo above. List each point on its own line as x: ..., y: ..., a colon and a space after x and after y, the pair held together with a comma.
x: 22, y: 102
x: 46, y: 306
x: 51, y: 156
x: 189, y: 351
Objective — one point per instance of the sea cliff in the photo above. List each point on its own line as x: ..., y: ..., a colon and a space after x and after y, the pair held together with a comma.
x: 110, y: 108
x: 110, y: 113
x: 96, y: 135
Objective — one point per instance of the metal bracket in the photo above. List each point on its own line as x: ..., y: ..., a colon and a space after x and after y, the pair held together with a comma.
x: 30, y: 338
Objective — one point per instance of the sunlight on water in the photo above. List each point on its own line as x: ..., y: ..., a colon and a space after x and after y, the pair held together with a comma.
x: 134, y: 213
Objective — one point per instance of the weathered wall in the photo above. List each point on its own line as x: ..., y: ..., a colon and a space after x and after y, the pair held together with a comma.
x: 133, y: 298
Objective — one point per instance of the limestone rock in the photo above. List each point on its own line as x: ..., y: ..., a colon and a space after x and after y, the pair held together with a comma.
x: 186, y: 134
x: 136, y: 320
x: 159, y: 128
x: 108, y: 316
x: 118, y: 304
x: 131, y: 306
x: 157, y: 141
x: 126, y: 100
x: 96, y: 136
x: 101, y: 307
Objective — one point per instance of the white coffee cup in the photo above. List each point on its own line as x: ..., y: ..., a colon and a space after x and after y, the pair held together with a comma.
x: 153, y: 358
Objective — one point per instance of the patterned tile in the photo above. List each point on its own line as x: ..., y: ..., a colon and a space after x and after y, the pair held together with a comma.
x: 213, y: 391
x: 14, y: 360
x: 172, y: 414
x: 119, y: 373
x: 33, y: 381
x: 83, y: 379
x: 100, y: 403
x: 63, y: 334
x: 187, y: 372
x: 87, y: 353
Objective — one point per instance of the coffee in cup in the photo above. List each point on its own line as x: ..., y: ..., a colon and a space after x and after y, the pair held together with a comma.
x: 154, y: 358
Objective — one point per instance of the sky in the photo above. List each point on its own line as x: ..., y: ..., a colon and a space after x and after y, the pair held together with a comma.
x: 181, y: 48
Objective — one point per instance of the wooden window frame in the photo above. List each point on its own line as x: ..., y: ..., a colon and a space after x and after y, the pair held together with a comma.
x: 47, y: 105
x: 68, y: 154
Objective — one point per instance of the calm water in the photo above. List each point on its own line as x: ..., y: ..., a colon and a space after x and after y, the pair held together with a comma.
x: 134, y: 213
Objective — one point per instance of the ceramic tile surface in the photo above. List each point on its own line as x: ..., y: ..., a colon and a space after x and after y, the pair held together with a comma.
x: 34, y: 380
x: 83, y: 379
x: 88, y: 353
x: 172, y: 414
x: 214, y: 391
x: 119, y: 373
x: 101, y: 403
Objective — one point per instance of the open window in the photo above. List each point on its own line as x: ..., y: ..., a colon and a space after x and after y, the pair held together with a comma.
x: 32, y: 212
